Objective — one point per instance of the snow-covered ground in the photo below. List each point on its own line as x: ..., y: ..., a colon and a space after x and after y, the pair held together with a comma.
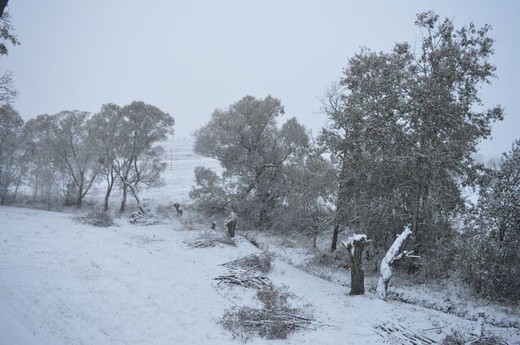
x: 64, y: 282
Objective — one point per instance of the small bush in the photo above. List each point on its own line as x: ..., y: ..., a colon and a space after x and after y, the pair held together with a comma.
x: 453, y: 339
x: 97, y: 217
x: 457, y: 339
x: 165, y: 211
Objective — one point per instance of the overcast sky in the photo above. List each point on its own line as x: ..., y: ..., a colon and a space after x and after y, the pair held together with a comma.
x: 190, y: 57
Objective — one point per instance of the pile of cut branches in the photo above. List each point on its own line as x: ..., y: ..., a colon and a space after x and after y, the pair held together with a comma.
x: 257, y: 282
x: 276, y: 320
x: 254, y: 262
x: 405, y: 336
x: 270, y: 324
x: 210, y: 239
x: 140, y: 218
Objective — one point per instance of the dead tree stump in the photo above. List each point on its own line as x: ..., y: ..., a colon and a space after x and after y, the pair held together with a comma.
x: 355, y: 245
x: 178, y: 209
x: 231, y: 224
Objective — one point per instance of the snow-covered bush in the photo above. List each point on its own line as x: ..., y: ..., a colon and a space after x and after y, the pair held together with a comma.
x: 491, y: 259
x: 208, y: 194
x: 97, y: 217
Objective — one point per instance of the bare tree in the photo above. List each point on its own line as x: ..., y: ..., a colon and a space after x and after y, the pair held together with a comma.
x: 128, y: 140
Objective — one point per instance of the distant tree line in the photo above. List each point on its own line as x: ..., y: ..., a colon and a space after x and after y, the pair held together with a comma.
x: 403, y: 128
x: 62, y: 155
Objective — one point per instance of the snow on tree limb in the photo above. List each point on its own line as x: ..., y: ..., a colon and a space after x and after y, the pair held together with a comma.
x: 351, y: 241
x: 391, y: 256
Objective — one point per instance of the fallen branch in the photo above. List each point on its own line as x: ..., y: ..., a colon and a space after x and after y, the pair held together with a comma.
x: 210, y: 240
x: 406, y: 336
x: 268, y: 323
x: 257, y: 282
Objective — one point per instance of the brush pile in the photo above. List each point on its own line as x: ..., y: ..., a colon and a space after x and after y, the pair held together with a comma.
x: 254, y: 262
x: 243, y: 271
x: 257, y: 282
x: 276, y: 320
x: 210, y: 239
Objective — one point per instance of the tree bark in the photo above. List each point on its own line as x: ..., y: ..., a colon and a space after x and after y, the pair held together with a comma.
x: 123, y: 200
x: 416, y: 214
x: 110, y: 185
x: 137, y: 200
x: 339, y: 217
x: 334, y: 238
x: 355, y: 245
x: 231, y: 224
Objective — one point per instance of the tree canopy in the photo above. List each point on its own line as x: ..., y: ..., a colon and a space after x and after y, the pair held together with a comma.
x: 404, y: 126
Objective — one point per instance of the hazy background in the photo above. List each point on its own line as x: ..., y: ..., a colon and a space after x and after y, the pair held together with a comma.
x: 190, y: 57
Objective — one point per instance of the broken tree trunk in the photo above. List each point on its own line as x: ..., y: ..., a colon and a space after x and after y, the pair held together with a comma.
x: 355, y: 245
x: 393, y: 254
x: 231, y: 224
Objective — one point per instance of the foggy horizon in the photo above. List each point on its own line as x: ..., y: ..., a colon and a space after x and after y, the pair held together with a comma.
x: 190, y: 59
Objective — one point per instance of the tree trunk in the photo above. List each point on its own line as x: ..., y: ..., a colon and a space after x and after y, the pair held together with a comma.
x: 415, y: 215
x: 355, y: 245
x: 3, y: 4
x: 231, y: 224
x: 393, y: 254
x: 79, y: 200
x: 334, y: 238
x: 339, y: 217
x: 123, y: 200
x: 110, y: 185
x: 136, y: 197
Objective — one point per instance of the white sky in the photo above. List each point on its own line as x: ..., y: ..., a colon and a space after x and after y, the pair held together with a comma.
x: 190, y: 57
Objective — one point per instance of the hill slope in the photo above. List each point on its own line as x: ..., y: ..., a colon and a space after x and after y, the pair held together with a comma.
x: 63, y: 282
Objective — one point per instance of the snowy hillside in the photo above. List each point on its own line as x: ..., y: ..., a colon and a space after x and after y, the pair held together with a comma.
x: 64, y: 282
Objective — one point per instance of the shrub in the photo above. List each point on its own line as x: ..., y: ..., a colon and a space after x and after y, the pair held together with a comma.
x: 97, y: 217
x: 491, y: 259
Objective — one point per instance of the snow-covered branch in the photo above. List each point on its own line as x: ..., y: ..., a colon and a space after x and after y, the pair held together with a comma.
x: 393, y: 254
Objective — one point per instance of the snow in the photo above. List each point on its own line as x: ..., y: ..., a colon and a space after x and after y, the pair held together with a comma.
x: 349, y: 243
x: 386, y: 264
x: 63, y: 282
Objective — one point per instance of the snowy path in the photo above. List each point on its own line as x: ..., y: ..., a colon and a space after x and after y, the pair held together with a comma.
x: 66, y: 283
